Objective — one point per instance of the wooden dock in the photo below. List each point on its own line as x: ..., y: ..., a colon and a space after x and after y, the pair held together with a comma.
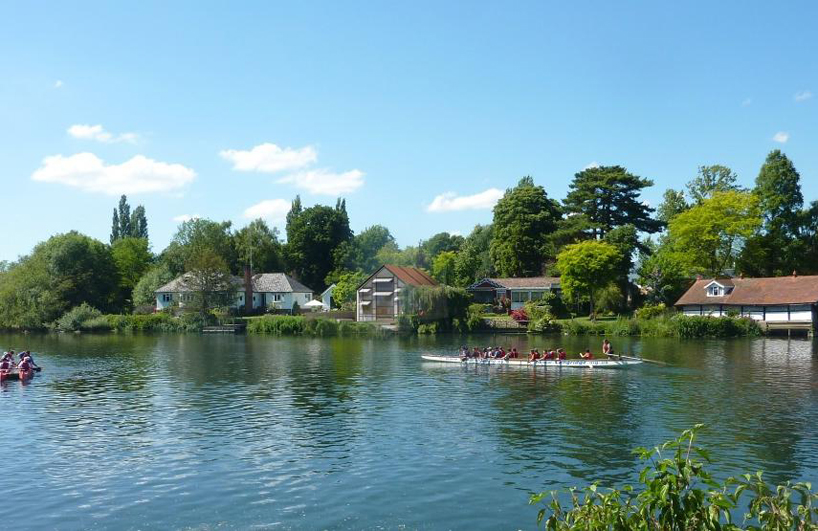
x: 225, y: 329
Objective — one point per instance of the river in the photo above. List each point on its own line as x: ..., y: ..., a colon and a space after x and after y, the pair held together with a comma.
x: 242, y: 432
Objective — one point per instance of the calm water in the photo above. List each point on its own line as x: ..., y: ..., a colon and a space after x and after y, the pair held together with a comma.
x: 190, y: 432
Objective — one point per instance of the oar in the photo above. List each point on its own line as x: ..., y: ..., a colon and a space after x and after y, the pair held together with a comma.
x: 656, y: 362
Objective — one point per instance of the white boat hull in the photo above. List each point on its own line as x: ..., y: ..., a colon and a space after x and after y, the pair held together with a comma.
x: 614, y: 363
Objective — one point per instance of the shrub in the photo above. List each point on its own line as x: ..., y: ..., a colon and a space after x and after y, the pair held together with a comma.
x: 678, y: 493
x: 74, y: 318
x: 519, y: 315
x: 427, y: 328
x: 277, y: 325
x: 651, y: 311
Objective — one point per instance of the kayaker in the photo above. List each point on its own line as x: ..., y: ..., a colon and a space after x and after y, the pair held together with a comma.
x: 24, y: 365
x: 5, y: 364
x: 30, y: 359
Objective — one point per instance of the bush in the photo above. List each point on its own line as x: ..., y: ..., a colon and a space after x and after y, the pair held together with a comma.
x: 519, y: 315
x: 651, y: 311
x: 427, y: 328
x: 73, y: 319
x: 677, y: 493
x: 697, y: 326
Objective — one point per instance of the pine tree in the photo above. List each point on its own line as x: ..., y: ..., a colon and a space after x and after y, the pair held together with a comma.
x: 293, y: 214
x: 115, y: 227
x: 124, y: 217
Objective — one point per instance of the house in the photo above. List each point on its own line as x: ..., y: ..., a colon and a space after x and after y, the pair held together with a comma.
x: 517, y: 290
x: 326, y: 297
x: 778, y: 302
x: 378, y: 297
x: 263, y: 290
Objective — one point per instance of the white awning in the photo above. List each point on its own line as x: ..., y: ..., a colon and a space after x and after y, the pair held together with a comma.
x: 390, y: 279
x: 364, y: 290
x: 366, y: 303
x: 383, y: 293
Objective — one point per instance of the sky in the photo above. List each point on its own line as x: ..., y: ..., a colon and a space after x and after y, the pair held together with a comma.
x: 420, y: 114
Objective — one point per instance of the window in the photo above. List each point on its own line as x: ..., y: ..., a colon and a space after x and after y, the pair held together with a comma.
x: 714, y: 291
x: 167, y: 297
x: 519, y: 296
x: 276, y: 297
x: 536, y: 295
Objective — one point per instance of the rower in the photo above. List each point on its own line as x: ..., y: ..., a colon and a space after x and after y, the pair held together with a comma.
x: 561, y: 354
x: 30, y: 359
x: 586, y: 355
x: 549, y: 355
x: 24, y: 365
x: 533, y: 355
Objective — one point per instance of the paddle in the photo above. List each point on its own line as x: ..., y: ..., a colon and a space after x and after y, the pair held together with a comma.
x: 656, y: 362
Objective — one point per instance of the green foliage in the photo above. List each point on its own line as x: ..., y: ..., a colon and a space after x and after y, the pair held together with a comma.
x: 75, y: 318
x: 443, y: 267
x: 313, y: 236
x: 695, y: 326
x: 651, y: 311
x: 195, y: 236
x: 523, y: 220
x: 712, y: 179
x: 209, y: 281
x: 474, y: 316
x: 258, y: 244
x: 609, y: 299
x: 678, y: 493
x: 586, y: 267
x: 609, y: 197
x: 439, y: 304
x: 132, y: 257
x: 346, y: 284
x: 144, y: 293
x: 673, y: 203
x: 439, y: 243
x: 474, y: 260
x: 288, y: 325
x: 662, y: 273
x: 708, y: 237
x: 391, y: 254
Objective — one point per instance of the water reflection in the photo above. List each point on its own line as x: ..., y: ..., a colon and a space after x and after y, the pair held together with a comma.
x: 191, y: 431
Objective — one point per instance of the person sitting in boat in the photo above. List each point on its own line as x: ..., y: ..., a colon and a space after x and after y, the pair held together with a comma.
x: 549, y: 355
x: 513, y: 353
x: 476, y: 353
x: 30, y: 359
x: 561, y: 354
x: 533, y: 356
x: 24, y: 365
x: 464, y: 354
x: 586, y: 355
x: 5, y: 364
x: 607, y: 348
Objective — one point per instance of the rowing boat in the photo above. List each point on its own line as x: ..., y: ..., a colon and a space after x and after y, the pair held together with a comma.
x: 613, y: 363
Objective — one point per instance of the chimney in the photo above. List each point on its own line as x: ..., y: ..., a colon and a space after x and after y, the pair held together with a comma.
x: 248, y: 290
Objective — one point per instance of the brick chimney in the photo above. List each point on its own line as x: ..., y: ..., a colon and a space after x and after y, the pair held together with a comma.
x: 248, y: 290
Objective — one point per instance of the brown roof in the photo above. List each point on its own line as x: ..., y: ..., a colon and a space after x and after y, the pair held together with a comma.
x: 527, y: 282
x: 756, y: 291
x: 412, y: 275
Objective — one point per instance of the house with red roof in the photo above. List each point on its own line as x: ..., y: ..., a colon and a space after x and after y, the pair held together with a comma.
x: 777, y: 302
x: 517, y: 290
x: 379, y: 296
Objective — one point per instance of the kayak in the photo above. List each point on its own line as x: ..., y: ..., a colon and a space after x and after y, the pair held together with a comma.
x: 613, y: 363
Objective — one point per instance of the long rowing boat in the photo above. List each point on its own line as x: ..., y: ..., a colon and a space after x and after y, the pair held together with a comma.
x: 612, y: 363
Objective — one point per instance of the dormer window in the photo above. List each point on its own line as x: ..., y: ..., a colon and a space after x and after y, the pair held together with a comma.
x: 714, y: 291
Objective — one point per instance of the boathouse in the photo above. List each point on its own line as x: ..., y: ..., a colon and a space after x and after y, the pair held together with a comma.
x: 517, y: 290
x: 378, y: 297
x: 786, y: 303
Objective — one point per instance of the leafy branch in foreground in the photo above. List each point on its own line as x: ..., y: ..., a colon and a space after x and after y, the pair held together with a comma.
x: 679, y: 494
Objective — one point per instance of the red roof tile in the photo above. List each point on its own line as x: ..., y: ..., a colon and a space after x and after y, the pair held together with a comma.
x: 412, y: 275
x: 756, y: 291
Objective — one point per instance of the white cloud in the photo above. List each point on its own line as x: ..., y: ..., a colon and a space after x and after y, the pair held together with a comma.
x: 89, y: 173
x: 98, y: 133
x: 269, y: 158
x: 186, y: 217
x: 451, y: 202
x: 781, y: 137
x: 271, y: 209
x: 746, y: 102
x: 802, y: 95
x: 325, y: 182
x: 591, y: 166
x: 58, y: 83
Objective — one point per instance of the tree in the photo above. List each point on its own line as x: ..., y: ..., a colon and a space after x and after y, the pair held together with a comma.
x: 209, y: 281
x: 393, y: 255
x: 61, y: 273
x: 778, y: 187
x: 139, y: 223
x: 197, y: 234
x: 473, y: 261
x: 626, y: 241
x: 662, y: 274
x: 608, y: 196
x: 586, y: 267
x: 673, y: 203
x: 369, y: 242
x: 258, y: 246
x: 523, y: 220
x: 443, y: 267
x: 144, y: 293
x: 115, y: 227
x: 439, y: 243
x: 124, y: 217
x: 711, y: 179
x: 709, y: 236
x: 295, y: 210
x: 312, y: 239
x: 346, y: 287
x: 132, y: 257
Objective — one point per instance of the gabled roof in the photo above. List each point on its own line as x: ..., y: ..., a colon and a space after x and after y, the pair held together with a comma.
x: 262, y: 283
x: 723, y: 282
x: 756, y: 291
x: 329, y: 289
x: 523, y: 282
x: 412, y: 275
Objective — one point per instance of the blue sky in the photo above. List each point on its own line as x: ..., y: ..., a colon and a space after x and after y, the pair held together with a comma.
x: 228, y: 110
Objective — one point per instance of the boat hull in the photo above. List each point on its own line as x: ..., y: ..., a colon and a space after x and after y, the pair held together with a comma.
x: 614, y: 363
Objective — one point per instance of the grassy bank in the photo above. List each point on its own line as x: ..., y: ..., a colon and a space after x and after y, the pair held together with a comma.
x: 681, y: 326
x: 286, y: 325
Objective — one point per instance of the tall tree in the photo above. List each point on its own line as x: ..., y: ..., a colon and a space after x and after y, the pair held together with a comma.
x: 473, y: 261
x: 295, y: 210
x: 195, y: 235
x: 139, y: 223
x: 608, y: 196
x: 586, y: 268
x: 711, y: 179
x: 524, y: 218
x: 709, y: 236
x: 115, y: 227
x: 443, y: 267
x: 673, y: 203
x: 258, y: 245
x: 312, y: 239
x: 369, y: 242
x: 132, y: 257
x: 124, y: 217
x: 626, y: 242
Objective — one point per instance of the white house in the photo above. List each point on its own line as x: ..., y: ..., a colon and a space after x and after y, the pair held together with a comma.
x: 266, y: 290
x: 517, y: 290
x: 326, y: 297
x: 773, y: 300
x: 378, y: 297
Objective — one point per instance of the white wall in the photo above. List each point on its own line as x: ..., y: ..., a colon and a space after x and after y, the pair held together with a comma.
x: 778, y: 314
